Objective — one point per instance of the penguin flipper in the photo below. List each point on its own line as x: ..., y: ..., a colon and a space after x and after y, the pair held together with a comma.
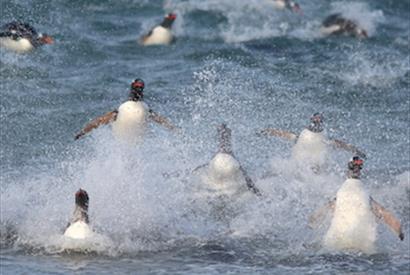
x: 319, y: 215
x: 348, y: 147
x: 144, y: 37
x: 163, y: 121
x: 249, y: 183
x: 199, y: 167
x: 67, y: 226
x: 278, y: 133
x: 149, y: 33
x: 383, y: 214
x: 95, y: 123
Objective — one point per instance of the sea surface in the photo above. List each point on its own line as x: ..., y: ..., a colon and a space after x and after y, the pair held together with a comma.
x: 240, y: 62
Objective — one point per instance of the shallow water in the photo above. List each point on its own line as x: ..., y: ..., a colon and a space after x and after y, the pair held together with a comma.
x: 239, y: 62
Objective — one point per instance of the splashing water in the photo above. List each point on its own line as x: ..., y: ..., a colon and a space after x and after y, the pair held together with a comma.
x: 239, y: 62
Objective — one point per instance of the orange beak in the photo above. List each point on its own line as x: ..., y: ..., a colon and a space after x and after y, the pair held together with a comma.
x: 47, y: 39
x: 172, y: 16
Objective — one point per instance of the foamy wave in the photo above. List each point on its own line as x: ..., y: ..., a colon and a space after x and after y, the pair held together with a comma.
x: 364, y: 69
x: 142, y: 198
x: 251, y: 20
x: 245, y: 20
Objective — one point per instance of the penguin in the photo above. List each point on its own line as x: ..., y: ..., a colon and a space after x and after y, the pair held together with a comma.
x: 355, y: 213
x: 129, y: 120
x: 21, y: 37
x: 336, y: 24
x: 224, y: 174
x: 287, y: 4
x: 78, y: 227
x: 311, y: 145
x: 161, y: 34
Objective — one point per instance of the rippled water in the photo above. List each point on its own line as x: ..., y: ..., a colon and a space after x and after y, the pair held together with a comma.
x: 240, y: 62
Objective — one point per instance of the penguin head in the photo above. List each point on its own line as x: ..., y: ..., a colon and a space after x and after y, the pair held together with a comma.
x: 19, y: 29
x: 171, y: 16
x: 168, y: 20
x: 45, y: 39
x: 361, y: 33
x: 137, y: 90
x: 353, y: 28
x: 294, y: 7
x: 225, y: 137
x: 354, y: 166
x: 316, y: 123
x: 81, y: 199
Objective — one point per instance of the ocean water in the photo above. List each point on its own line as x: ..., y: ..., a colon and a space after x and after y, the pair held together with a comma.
x: 240, y: 62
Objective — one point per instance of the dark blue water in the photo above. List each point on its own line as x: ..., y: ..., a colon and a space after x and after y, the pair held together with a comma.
x: 239, y: 62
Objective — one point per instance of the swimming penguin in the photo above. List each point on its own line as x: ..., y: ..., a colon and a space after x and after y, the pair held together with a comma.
x: 337, y: 24
x: 79, y: 228
x: 287, y: 4
x: 353, y: 226
x: 312, y: 145
x: 21, y: 37
x: 129, y: 120
x: 224, y: 174
x: 161, y: 34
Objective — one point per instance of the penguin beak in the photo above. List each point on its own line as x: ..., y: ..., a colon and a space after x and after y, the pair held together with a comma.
x: 172, y: 16
x: 46, y: 39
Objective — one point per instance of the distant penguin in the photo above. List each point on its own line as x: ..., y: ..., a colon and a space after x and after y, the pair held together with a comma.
x: 311, y: 145
x: 224, y: 174
x: 353, y: 226
x: 161, y: 34
x: 336, y: 24
x: 21, y: 37
x: 78, y: 227
x: 129, y: 120
x: 287, y: 4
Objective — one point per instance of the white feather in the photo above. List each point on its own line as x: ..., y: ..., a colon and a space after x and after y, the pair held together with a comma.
x: 329, y: 30
x: 224, y: 175
x: 21, y: 45
x: 130, y: 123
x: 310, y: 148
x: 280, y: 4
x: 78, y: 230
x: 353, y: 226
x: 159, y: 36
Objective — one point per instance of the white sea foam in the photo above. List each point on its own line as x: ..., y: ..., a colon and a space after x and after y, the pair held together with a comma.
x: 245, y: 20
x: 142, y: 198
x: 252, y: 20
x: 366, y: 69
